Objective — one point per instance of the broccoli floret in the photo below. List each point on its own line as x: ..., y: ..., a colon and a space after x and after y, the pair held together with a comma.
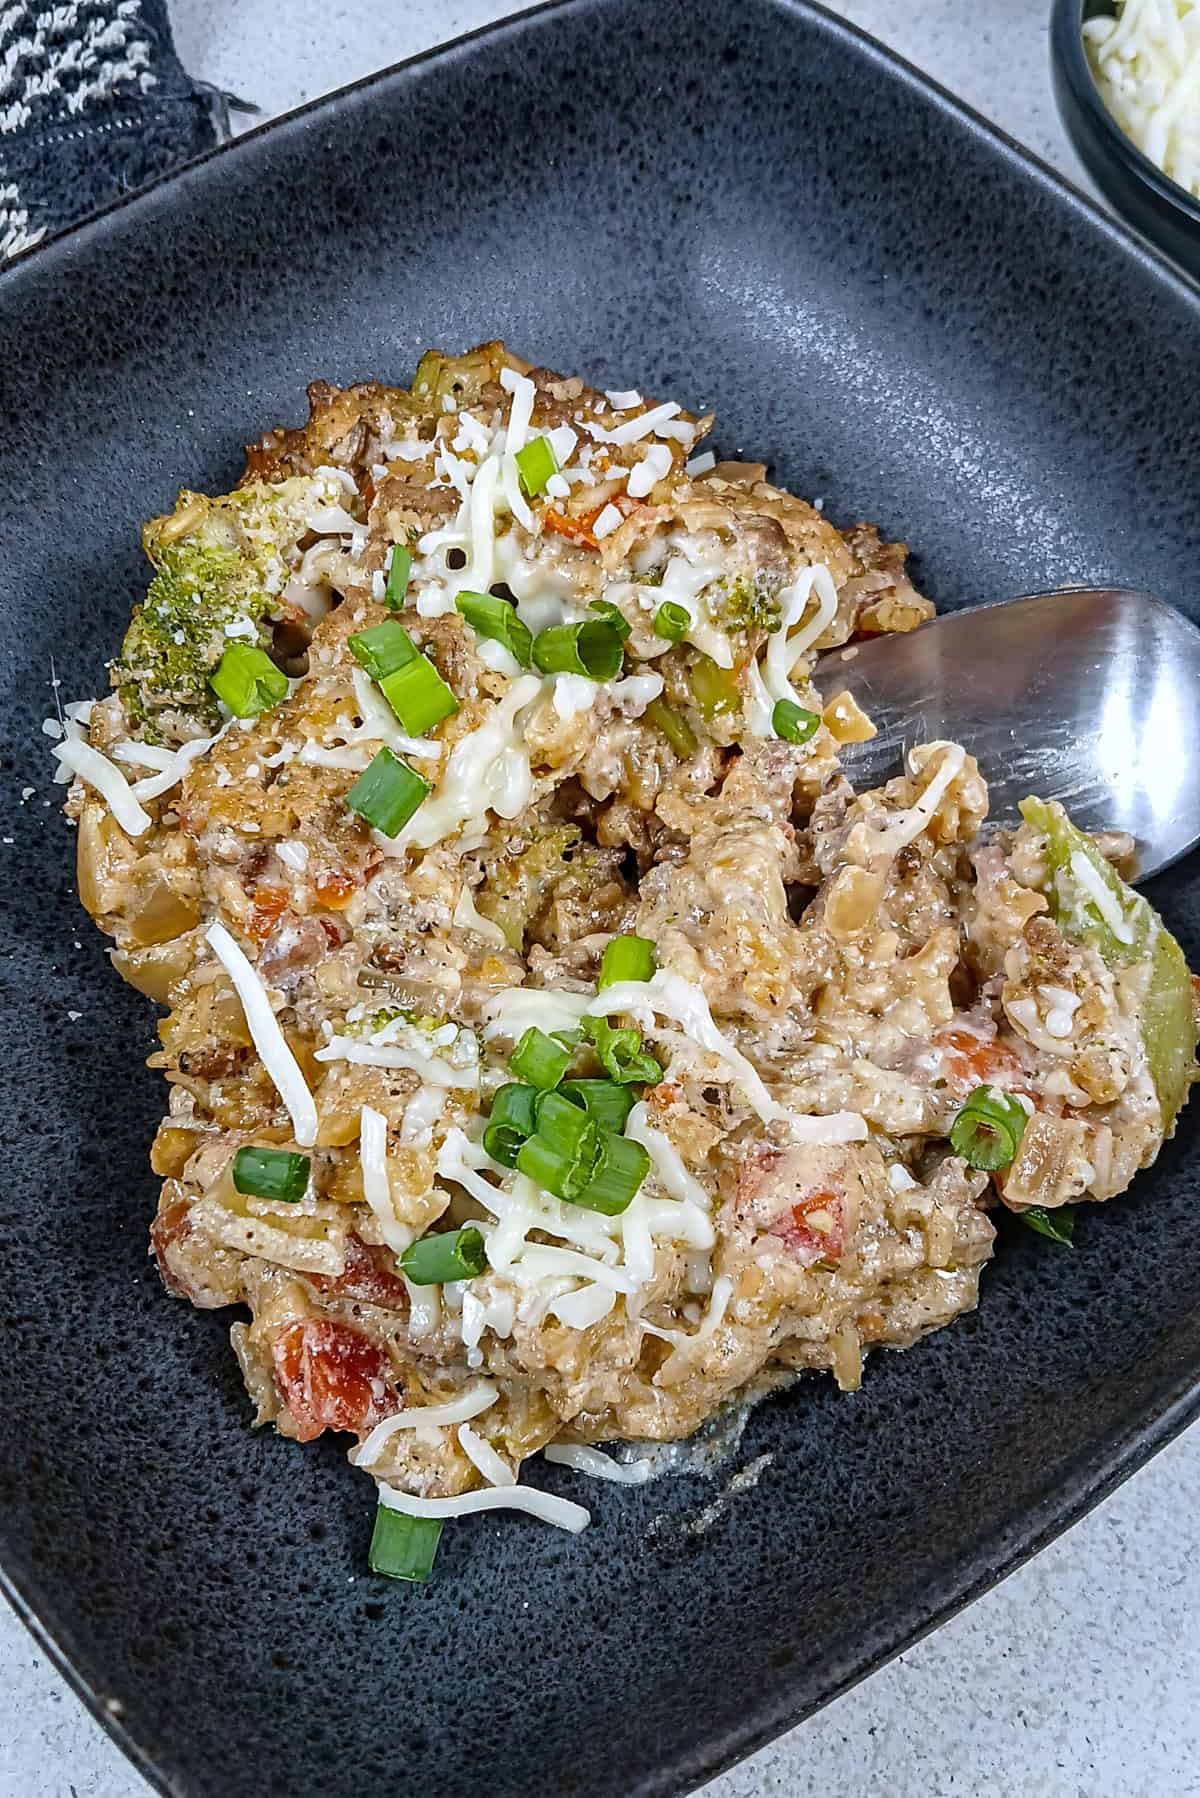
x: 745, y: 602
x: 219, y: 567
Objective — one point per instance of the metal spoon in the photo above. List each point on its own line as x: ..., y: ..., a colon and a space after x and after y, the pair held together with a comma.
x: 1090, y: 695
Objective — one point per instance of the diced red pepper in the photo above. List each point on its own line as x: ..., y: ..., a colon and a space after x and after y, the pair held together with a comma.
x: 969, y: 1061
x: 578, y: 529
x: 814, y: 1229
x: 334, y: 889
x: 331, y: 1377
x: 365, y: 1278
x: 269, y: 904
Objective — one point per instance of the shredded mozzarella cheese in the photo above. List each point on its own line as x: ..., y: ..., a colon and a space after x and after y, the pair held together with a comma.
x: 770, y: 678
x: 654, y: 467
x: 377, y: 1187
x: 674, y: 997
x: 470, y: 1403
x: 263, y: 1025
x: 1101, y: 896
x: 906, y: 826
x: 371, y: 1053
x: 488, y: 770
x: 543, y: 1505
x: 1147, y: 63
x: 482, y: 1455
x: 582, y: 1459
x: 109, y: 782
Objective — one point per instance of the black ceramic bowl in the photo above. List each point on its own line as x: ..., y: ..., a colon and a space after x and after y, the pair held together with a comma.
x: 751, y: 207
x: 1161, y: 209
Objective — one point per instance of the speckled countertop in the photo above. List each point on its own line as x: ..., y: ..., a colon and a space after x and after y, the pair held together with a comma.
x: 1076, y: 1678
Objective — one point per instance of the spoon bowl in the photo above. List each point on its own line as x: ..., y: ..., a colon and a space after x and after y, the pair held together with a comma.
x: 1088, y: 695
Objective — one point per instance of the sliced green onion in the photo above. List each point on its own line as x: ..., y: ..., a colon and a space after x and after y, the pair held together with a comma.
x: 452, y: 1255
x: 567, y: 1128
x: 603, y: 1100
x: 383, y: 649
x: 673, y: 725
x: 539, y: 1060
x: 621, y: 1166
x: 791, y: 722
x: 271, y: 1173
x: 387, y: 793
x: 490, y: 616
x: 536, y: 463
x: 621, y: 1054
x: 399, y: 569
x: 403, y: 1547
x: 593, y: 648
x: 556, y: 1171
x: 604, y: 608
x: 1058, y: 1225
x: 247, y: 680
x: 713, y: 688
x: 672, y: 621
x: 512, y: 1119
x: 627, y: 958
x: 418, y: 695
x: 987, y: 1131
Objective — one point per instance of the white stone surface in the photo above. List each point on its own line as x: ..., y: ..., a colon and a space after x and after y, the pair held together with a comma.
x: 1079, y: 1676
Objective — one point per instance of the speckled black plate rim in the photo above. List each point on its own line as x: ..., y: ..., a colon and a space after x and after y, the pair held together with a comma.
x: 1165, y: 1408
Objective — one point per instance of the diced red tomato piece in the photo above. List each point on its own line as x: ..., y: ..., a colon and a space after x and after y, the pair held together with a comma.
x: 969, y: 1061
x: 814, y: 1229
x: 365, y: 1278
x: 578, y: 529
x: 269, y: 904
x: 334, y: 889
x: 331, y: 1377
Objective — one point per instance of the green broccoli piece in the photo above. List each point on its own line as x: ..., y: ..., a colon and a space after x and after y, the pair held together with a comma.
x: 745, y: 602
x: 219, y: 567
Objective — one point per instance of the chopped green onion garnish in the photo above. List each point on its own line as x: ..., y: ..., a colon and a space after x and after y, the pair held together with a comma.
x: 592, y: 648
x: 987, y: 1131
x: 490, y: 616
x: 604, y: 1100
x: 672, y: 621
x: 539, y: 1060
x: 535, y: 464
x: 1058, y: 1225
x: 555, y: 1170
x: 247, y: 680
x: 399, y: 569
x: 452, y: 1255
x: 791, y: 722
x: 627, y: 958
x: 673, y: 725
x: 566, y: 1127
x: 404, y: 1547
x: 621, y: 1167
x: 621, y: 1054
x: 383, y: 649
x: 713, y: 688
x: 604, y: 608
x: 387, y: 793
x: 511, y: 1121
x: 271, y: 1173
x: 418, y: 695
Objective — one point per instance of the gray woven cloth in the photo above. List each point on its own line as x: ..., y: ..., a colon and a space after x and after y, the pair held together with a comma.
x: 93, y: 105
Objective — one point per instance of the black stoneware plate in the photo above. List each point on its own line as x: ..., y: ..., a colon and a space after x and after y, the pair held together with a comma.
x: 748, y: 207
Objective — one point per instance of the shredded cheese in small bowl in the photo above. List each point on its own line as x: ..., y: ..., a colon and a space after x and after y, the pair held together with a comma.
x: 1146, y: 60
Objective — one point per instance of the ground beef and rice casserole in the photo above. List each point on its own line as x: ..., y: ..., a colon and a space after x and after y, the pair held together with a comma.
x: 557, y: 1046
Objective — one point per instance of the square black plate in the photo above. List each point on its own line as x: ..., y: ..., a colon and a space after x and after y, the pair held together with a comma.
x: 749, y: 207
